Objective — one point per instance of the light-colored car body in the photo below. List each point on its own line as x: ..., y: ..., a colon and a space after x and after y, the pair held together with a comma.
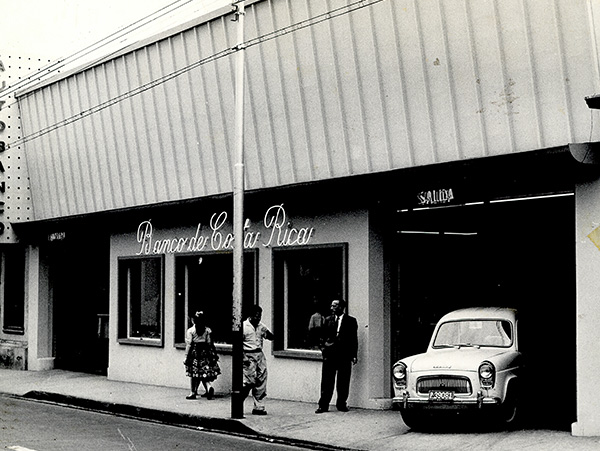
x: 472, y: 362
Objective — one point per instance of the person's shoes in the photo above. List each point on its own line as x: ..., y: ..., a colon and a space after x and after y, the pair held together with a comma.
x: 259, y: 412
x: 191, y: 396
x: 211, y: 393
x: 321, y: 410
x: 343, y: 408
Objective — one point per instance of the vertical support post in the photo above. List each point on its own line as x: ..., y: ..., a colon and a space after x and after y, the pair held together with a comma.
x: 237, y: 398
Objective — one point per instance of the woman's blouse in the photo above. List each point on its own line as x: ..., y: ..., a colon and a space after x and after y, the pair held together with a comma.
x: 192, y: 336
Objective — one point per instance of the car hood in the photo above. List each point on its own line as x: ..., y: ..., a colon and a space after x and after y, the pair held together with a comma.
x: 461, y: 359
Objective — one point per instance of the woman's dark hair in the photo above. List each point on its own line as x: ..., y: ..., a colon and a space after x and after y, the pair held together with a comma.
x: 198, y: 318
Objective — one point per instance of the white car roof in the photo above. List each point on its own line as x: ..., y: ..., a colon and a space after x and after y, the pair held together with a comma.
x: 481, y: 313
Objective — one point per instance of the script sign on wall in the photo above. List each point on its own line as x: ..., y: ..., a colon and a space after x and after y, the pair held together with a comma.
x: 277, y: 232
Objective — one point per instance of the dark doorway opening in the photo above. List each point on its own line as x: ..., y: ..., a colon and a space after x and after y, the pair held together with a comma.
x: 516, y: 253
x: 78, y: 284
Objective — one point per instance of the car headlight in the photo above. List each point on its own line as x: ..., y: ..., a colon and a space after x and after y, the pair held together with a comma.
x: 487, y: 374
x: 399, y: 373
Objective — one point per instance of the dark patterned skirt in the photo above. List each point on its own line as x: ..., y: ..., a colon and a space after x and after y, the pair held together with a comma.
x: 202, y: 362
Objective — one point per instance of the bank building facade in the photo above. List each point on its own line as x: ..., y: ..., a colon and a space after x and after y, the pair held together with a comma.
x: 409, y: 157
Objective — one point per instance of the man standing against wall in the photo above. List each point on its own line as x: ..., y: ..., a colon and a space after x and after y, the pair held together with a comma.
x: 339, y: 349
x: 255, y: 364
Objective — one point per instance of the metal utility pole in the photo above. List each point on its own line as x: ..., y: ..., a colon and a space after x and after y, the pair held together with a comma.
x: 237, y: 398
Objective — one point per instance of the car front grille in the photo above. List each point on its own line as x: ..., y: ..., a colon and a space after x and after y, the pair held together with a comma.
x: 444, y: 383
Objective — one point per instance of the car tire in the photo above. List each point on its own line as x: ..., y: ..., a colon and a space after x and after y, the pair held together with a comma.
x: 412, y: 418
x: 510, y: 410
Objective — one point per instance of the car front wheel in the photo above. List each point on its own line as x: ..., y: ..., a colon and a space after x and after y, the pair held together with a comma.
x: 509, y: 410
x: 412, y: 418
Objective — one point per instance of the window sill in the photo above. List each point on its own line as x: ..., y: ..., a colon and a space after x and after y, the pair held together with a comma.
x: 304, y: 354
x: 227, y: 349
x: 14, y: 330
x: 222, y: 348
x: 141, y: 342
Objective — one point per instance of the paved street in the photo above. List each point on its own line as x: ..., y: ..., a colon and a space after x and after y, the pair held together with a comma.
x: 43, y: 426
x: 288, y: 421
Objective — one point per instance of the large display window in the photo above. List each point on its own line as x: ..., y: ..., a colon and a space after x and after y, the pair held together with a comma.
x: 204, y: 282
x: 306, y: 280
x: 141, y: 300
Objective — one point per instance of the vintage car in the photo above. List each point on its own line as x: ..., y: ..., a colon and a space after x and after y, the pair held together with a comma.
x: 472, y: 363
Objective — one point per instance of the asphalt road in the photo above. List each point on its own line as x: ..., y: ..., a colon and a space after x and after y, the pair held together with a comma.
x: 27, y: 425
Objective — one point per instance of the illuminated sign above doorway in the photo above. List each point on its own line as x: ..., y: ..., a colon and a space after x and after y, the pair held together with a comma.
x: 435, y: 197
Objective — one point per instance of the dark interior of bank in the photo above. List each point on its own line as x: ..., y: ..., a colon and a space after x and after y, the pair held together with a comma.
x: 516, y: 253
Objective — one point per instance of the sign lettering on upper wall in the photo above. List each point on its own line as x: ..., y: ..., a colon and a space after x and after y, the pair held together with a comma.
x: 278, y: 231
x: 2, y: 145
x: 435, y: 197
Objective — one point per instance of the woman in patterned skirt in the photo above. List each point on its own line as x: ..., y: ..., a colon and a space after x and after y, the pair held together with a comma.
x: 201, y: 359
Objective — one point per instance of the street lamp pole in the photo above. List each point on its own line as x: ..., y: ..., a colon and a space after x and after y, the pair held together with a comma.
x: 237, y: 398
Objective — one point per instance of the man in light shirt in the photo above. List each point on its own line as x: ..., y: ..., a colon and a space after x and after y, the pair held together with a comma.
x: 255, y: 364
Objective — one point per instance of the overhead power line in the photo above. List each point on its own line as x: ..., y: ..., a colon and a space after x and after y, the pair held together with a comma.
x: 58, y: 64
x: 216, y: 56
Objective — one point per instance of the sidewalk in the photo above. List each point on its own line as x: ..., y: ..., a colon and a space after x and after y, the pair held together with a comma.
x: 287, y: 421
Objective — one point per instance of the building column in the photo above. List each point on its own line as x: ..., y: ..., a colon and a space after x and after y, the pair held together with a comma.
x: 378, y: 331
x: 39, y: 312
x: 588, y: 308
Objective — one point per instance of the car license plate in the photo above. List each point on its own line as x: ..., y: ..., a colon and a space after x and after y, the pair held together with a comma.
x: 435, y: 395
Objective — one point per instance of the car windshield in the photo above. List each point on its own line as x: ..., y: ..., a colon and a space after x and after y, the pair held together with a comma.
x: 487, y: 332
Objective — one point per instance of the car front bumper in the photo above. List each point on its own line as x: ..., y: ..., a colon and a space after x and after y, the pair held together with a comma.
x: 406, y: 401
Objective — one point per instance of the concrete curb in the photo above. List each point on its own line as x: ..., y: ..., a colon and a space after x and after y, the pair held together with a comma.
x: 222, y: 425
x: 198, y: 421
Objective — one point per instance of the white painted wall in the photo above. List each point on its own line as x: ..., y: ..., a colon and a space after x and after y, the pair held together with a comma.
x: 38, y: 318
x: 588, y: 308
x: 289, y: 378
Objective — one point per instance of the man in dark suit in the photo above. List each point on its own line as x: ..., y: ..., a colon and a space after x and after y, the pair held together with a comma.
x: 339, y: 349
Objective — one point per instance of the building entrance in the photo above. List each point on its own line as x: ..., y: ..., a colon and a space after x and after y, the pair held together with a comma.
x: 516, y: 253
x: 79, y: 294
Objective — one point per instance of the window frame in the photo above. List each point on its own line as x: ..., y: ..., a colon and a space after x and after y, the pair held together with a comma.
x: 13, y: 286
x: 124, y: 308
x: 280, y: 312
x: 182, y: 306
